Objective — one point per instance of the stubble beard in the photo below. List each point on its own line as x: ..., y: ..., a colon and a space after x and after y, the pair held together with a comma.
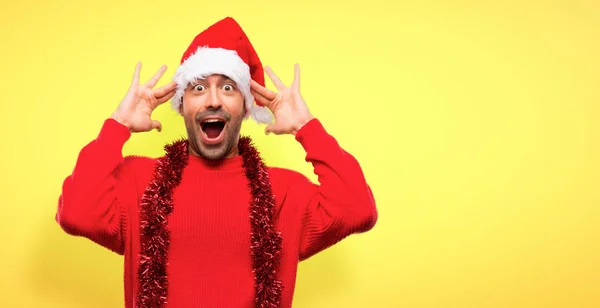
x: 214, y: 151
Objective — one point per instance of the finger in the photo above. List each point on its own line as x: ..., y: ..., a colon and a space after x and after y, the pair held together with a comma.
x: 269, y: 129
x: 156, y: 125
x: 266, y: 93
x: 135, y: 81
x: 296, y: 82
x: 162, y: 91
x: 154, y: 80
x: 273, y: 129
x: 261, y: 99
x: 278, y: 84
x: 163, y: 99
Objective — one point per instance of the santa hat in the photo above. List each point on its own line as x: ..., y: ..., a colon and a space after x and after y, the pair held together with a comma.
x: 223, y: 48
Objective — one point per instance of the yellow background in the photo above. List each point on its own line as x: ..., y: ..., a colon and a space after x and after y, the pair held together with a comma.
x: 476, y: 123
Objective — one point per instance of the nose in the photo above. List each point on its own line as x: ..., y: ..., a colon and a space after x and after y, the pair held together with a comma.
x: 213, y: 99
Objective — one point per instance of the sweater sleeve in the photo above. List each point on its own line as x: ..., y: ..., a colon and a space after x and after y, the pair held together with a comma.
x: 342, y: 203
x: 90, y: 204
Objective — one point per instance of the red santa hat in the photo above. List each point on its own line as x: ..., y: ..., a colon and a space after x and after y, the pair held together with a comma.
x: 223, y: 48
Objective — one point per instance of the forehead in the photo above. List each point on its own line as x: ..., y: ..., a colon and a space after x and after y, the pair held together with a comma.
x: 214, y: 78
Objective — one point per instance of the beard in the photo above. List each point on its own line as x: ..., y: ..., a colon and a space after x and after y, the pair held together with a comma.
x: 228, y: 141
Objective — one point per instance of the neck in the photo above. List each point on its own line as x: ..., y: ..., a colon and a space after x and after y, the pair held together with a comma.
x: 226, y: 163
x: 232, y: 151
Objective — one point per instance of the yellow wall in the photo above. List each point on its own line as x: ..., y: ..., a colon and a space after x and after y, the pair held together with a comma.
x: 476, y: 124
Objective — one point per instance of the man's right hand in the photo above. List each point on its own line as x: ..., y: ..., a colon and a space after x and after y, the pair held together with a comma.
x: 135, y: 110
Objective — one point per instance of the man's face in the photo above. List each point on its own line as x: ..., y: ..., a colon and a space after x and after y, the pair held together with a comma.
x: 213, y: 111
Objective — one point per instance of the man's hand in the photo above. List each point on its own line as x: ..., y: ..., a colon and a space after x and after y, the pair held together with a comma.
x: 136, y: 108
x: 288, y: 106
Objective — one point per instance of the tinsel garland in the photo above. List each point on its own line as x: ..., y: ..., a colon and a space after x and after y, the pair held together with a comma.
x: 157, y: 205
x: 266, y: 241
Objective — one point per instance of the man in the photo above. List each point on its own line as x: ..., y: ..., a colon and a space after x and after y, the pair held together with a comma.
x: 208, y: 224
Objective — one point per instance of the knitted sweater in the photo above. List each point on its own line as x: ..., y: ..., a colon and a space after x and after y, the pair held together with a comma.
x: 209, y: 261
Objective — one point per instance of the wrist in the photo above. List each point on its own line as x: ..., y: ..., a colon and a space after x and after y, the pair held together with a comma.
x: 301, y: 124
x: 115, y: 116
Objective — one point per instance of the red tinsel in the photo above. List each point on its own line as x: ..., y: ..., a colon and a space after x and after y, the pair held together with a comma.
x: 157, y: 204
x: 266, y: 241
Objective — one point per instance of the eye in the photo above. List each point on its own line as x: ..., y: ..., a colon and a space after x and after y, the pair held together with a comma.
x: 228, y: 87
x: 198, y: 87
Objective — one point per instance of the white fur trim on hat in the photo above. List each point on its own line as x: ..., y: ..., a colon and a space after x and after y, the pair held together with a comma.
x: 208, y: 61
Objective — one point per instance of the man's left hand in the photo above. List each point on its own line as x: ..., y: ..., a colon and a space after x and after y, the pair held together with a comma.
x: 287, y: 105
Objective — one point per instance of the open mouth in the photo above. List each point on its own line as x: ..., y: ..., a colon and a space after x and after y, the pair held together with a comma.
x: 213, y: 128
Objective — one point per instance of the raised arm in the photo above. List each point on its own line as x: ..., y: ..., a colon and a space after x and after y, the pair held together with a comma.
x: 342, y: 203
x: 92, y: 202
x: 95, y: 196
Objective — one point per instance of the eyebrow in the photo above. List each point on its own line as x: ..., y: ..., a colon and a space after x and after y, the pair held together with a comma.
x: 199, y: 80
x: 226, y: 78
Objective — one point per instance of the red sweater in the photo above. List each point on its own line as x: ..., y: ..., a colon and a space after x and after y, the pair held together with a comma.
x: 209, y: 255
